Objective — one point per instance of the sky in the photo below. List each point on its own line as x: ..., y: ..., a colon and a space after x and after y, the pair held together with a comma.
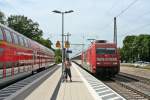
x: 91, y: 19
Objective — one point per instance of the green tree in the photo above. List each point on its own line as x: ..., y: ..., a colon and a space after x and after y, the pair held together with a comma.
x: 143, y: 47
x: 45, y: 42
x: 28, y: 28
x: 25, y: 26
x: 2, y: 18
x: 121, y: 52
x: 58, y: 57
x: 128, y: 49
x: 136, y: 48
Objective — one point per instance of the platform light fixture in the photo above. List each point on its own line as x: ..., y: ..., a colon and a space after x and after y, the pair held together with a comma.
x: 62, y: 13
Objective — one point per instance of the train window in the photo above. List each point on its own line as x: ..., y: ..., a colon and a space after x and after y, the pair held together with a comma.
x: 15, y: 38
x: 29, y: 45
x: 105, y: 51
x: 1, y: 34
x: 25, y: 41
x: 8, y: 36
x: 21, y: 41
x: 110, y: 50
x: 101, y: 51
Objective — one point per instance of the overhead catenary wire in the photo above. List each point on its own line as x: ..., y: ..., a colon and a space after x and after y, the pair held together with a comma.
x: 124, y: 10
x: 132, y: 3
x: 109, y: 10
x: 138, y: 28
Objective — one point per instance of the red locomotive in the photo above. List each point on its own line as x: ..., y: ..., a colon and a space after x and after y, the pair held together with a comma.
x: 20, y: 55
x: 101, y: 58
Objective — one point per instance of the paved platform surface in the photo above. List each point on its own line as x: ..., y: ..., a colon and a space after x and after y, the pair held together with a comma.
x: 136, y: 71
x: 86, y: 87
x: 46, y: 89
x: 75, y: 90
x: 83, y: 87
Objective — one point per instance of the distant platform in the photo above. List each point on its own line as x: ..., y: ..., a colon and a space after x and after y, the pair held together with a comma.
x: 136, y: 71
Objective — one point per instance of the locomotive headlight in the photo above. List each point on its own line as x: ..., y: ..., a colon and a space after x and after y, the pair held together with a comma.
x: 100, y: 59
x: 114, y: 63
x: 98, y: 63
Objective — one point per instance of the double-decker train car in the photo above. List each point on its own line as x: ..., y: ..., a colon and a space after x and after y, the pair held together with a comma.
x: 101, y: 58
x: 20, y: 55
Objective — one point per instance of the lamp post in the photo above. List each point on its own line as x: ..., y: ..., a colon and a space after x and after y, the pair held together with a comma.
x: 62, y: 13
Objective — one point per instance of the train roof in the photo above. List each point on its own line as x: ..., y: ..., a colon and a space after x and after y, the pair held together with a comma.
x: 102, y: 43
x: 33, y: 43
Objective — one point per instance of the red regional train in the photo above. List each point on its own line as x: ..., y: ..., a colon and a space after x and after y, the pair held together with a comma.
x: 20, y: 55
x: 101, y: 58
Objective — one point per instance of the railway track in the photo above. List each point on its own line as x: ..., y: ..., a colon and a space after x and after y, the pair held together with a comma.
x: 14, y: 90
x: 138, y: 78
x: 131, y: 87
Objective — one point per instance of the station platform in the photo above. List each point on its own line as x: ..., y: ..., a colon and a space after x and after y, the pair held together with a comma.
x: 136, y: 71
x: 83, y: 87
x: 75, y: 90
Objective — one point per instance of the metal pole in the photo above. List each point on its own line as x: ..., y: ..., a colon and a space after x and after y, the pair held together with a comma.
x: 62, y: 13
x: 115, y: 31
x: 83, y: 43
x: 67, y: 48
x: 62, y: 42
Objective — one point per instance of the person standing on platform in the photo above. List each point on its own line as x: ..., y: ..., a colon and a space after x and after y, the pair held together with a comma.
x: 67, y: 69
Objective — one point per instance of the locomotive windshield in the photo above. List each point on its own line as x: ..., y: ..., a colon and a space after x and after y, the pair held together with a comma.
x: 105, y: 51
x: 101, y: 51
x: 110, y: 50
